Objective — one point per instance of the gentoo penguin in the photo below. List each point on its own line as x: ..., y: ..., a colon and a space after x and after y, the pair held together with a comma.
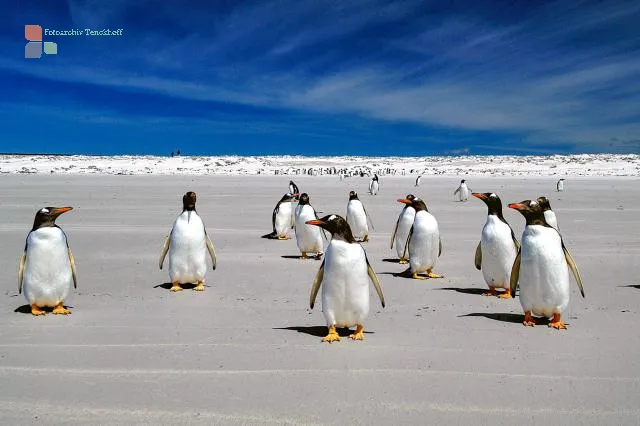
x: 187, y: 244
x: 403, y: 227
x: 541, y: 268
x: 423, y: 244
x: 497, y: 248
x: 549, y: 215
x: 344, y: 275
x: 293, y: 188
x: 357, y: 218
x: 463, y: 191
x: 47, y: 269
x: 309, y: 238
x: 560, y: 185
x: 374, y: 185
x: 418, y: 179
x: 282, y: 218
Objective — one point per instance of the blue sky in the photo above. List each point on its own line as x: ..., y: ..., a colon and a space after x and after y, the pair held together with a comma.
x: 352, y: 77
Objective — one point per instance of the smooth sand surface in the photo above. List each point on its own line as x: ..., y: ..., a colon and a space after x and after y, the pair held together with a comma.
x: 248, y: 349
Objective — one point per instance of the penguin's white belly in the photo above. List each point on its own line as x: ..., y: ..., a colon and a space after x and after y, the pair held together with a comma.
x: 47, y: 278
x: 560, y: 186
x: 187, y: 253
x: 464, y: 192
x: 345, y: 286
x: 544, y: 274
x: 374, y: 187
x: 284, y: 218
x: 404, y: 227
x: 308, y: 237
x: 357, y: 219
x: 425, y: 242
x: 498, y: 252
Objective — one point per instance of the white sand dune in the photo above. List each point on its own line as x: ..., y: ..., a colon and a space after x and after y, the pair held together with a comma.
x: 556, y: 165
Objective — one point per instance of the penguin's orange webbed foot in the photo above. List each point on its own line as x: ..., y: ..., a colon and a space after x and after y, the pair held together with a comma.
x: 433, y: 275
x: 492, y: 292
x: 199, y: 286
x: 332, y: 336
x: 304, y: 256
x: 283, y: 237
x: 528, y: 320
x: 403, y: 261
x: 557, y: 323
x: 175, y: 287
x: 358, y: 334
x: 319, y: 256
x: 505, y: 294
x: 61, y: 310
x: 415, y: 276
x: 36, y: 311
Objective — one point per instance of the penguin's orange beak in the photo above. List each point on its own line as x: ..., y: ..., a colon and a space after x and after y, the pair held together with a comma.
x: 517, y: 206
x: 404, y: 201
x: 479, y: 195
x: 59, y: 210
x: 316, y: 222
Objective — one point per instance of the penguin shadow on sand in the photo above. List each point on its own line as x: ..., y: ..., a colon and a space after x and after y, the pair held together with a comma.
x: 470, y: 290
x: 636, y: 286
x: 299, y: 257
x: 319, y: 330
x: 26, y: 309
x: 507, y: 317
x: 167, y: 286
x: 391, y: 260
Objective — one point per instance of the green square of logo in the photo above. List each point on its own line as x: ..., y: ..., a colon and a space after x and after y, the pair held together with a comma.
x: 50, y: 48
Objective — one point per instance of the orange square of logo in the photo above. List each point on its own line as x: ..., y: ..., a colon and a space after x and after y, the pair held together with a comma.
x: 33, y: 32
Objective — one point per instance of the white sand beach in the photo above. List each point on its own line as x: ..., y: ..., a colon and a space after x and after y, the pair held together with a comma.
x: 247, y: 350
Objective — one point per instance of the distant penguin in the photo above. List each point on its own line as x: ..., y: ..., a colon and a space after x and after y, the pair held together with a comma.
x: 418, y: 179
x: 560, y: 185
x: 541, y: 268
x: 549, y: 215
x: 497, y: 248
x: 187, y: 246
x: 423, y: 245
x: 403, y: 227
x: 374, y: 185
x: 293, y: 188
x: 344, y: 275
x: 283, y: 216
x: 357, y: 218
x: 463, y: 191
x: 47, y: 269
x: 310, y: 238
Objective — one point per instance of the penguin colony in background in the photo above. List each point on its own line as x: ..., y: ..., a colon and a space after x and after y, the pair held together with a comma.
x: 539, y: 266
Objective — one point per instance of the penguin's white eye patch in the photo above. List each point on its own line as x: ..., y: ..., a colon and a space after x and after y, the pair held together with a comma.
x: 493, y: 196
x: 332, y: 217
x: 534, y: 203
x: 44, y: 210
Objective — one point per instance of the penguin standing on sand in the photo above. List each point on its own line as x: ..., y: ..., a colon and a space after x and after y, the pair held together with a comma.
x: 549, y: 214
x: 418, y: 179
x: 283, y: 216
x: 463, y: 191
x: 560, y: 185
x: 374, y: 185
x: 497, y: 248
x: 310, y: 238
x: 541, y: 268
x: 47, y: 269
x: 423, y: 245
x: 293, y: 188
x: 344, y: 275
x: 187, y: 246
x: 403, y: 227
x: 357, y: 218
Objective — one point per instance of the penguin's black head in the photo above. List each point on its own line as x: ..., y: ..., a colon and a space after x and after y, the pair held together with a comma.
x: 336, y: 225
x: 46, y: 216
x: 531, y: 210
x: 407, y: 200
x: 462, y: 181
x: 544, y: 203
x: 414, y: 202
x: 304, y: 199
x: 492, y: 201
x: 189, y: 201
x: 289, y: 197
x: 353, y: 195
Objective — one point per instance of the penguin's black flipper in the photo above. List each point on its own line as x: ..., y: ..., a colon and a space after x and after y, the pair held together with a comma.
x: 73, y: 268
x: 478, y: 258
x: 515, y: 274
x: 374, y: 280
x: 23, y: 261
x: 574, y: 268
x: 316, y: 286
x: 406, y: 245
x: 165, y: 249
